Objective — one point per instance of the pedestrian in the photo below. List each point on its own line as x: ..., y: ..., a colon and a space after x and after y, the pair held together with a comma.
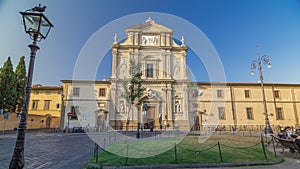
x: 15, y: 130
x: 87, y: 127
x: 282, y: 134
x: 151, y: 128
x: 297, y: 141
x: 289, y: 132
x: 141, y: 126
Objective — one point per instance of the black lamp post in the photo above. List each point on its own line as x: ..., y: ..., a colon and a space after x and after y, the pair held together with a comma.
x: 266, y: 61
x: 138, y: 121
x: 37, y: 25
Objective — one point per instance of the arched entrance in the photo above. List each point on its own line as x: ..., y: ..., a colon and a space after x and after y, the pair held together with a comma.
x: 48, y: 120
x: 150, y: 111
x: 149, y: 115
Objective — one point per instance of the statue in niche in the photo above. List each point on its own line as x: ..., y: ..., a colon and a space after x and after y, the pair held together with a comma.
x: 176, y: 68
x: 123, y: 66
x: 177, y: 107
x: 155, y: 41
x: 122, y: 107
x: 145, y: 41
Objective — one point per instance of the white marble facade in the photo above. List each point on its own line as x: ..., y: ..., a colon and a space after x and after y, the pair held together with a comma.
x: 166, y: 100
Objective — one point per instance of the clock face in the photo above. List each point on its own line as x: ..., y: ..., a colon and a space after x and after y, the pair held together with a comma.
x: 150, y: 40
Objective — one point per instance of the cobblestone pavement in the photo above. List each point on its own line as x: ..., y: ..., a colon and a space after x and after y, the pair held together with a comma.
x: 46, y: 150
x: 56, y: 151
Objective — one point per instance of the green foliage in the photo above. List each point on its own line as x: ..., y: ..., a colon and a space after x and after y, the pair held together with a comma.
x: 135, y: 86
x: 125, y: 93
x: 20, y: 83
x: 7, y: 87
x: 132, y: 88
x: 12, y: 86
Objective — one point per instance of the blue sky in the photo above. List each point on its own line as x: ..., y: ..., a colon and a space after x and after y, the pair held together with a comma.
x: 234, y: 27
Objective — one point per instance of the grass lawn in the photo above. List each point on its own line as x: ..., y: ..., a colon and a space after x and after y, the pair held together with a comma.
x: 234, y: 148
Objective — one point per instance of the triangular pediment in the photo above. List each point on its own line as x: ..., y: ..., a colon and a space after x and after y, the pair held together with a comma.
x: 149, y: 27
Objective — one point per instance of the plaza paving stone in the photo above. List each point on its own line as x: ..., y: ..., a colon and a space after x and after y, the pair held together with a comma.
x: 46, y: 150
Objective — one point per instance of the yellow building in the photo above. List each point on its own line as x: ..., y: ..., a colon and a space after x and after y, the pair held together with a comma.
x: 45, y: 102
x: 242, y: 105
x: 44, y: 110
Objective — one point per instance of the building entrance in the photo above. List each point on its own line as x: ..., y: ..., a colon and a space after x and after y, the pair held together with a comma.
x: 149, y: 116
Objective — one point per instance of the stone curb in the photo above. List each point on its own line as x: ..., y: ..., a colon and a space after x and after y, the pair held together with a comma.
x: 13, y: 136
x: 200, y: 165
x: 4, y: 137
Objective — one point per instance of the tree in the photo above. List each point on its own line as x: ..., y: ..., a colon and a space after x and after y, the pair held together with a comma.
x: 132, y: 88
x: 135, y: 86
x: 7, y: 87
x: 20, y: 73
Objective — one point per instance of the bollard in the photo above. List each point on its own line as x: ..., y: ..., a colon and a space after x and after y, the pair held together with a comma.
x: 221, y: 158
x: 126, y: 163
x: 104, y: 143
x: 109, y: 139
x: 274, y: 146
x: 95, y: 149
x: 175, y: 154
x: 96, y: 152
x: 263, y: 147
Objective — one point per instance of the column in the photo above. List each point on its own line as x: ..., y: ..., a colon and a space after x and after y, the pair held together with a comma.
x: 113, y: 116
x: 114, y: 62
x: 136, y: 39
x: 295, y: 108
x: 163, y: 39
x: 130, y: 36
x: 169, y: 103
x: 168, y: 63
x: 164, y: 61
x: 157, y: 69
x: 185, y: 106
x: 164, y: 103
x: 184, y: 64
x: 168, y: 39
x: 143, y: 70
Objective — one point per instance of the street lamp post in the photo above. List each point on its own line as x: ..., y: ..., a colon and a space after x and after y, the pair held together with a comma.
x: 62, y: 112
x: 37, y: 25
x: 266, y: 61
x: 138, y: 134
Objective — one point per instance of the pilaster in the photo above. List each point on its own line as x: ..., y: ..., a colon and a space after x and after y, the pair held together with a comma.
x: 185, y: 102
x: 114, y: 62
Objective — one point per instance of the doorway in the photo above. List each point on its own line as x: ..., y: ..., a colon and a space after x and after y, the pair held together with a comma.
x: 149, y: 117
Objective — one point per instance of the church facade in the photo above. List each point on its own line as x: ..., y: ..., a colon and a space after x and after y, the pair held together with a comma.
x: 170, y: 99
